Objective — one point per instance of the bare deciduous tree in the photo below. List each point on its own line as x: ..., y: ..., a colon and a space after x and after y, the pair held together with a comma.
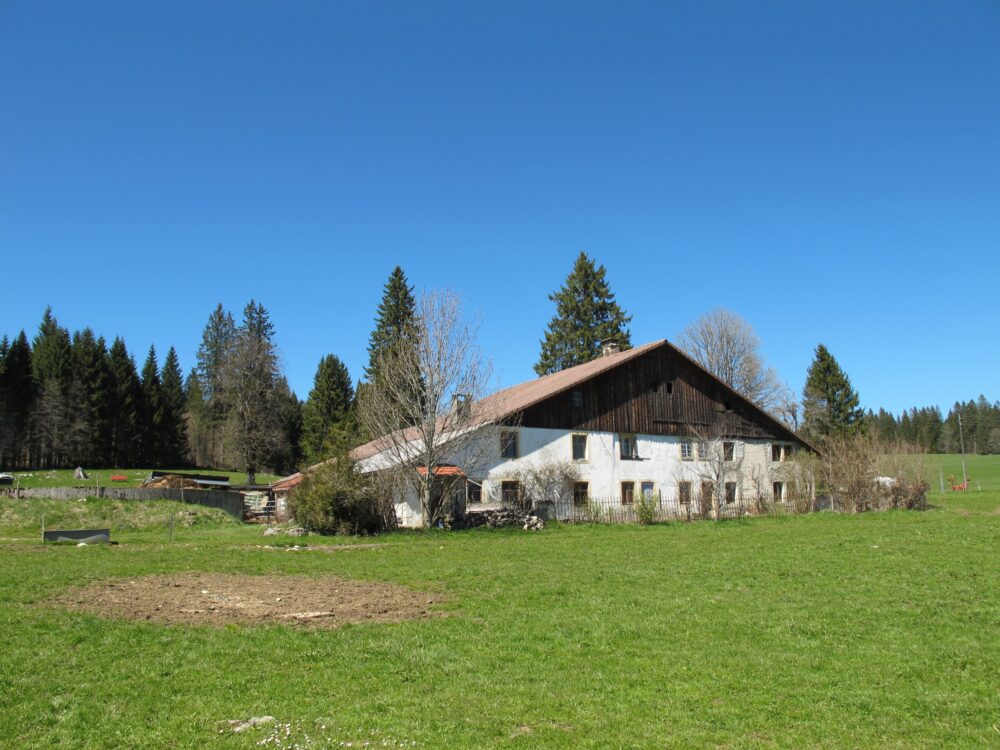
x: 717, y: 460
x: 438, y: 360
x: 550, y: 483
x: 726, y: 345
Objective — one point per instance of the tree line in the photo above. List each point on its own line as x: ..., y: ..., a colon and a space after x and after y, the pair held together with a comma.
x: 935, y: 432
x: 70, y: 399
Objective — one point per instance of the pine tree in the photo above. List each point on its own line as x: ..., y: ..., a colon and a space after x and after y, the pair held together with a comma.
x: 151, y: 416
x: 126, y: 406
x: 830, y: 404
x: 173, y: 430
x: 17, y: 402
x: 326, y: 408
x: 586, y: 315
x: 396, y: 313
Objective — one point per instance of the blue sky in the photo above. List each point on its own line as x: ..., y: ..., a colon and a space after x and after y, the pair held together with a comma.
x: 828, y: 170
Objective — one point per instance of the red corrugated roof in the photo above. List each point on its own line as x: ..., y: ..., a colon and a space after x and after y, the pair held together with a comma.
x: 443, y: 471
x: 288, y: 482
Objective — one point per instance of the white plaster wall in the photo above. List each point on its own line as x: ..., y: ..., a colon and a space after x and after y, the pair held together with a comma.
x: 604, y: 470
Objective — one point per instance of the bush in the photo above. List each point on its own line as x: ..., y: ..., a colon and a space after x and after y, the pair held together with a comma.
x: 335, y: 499
x: 645, y: 507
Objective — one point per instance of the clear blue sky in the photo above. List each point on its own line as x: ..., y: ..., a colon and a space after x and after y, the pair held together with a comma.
x: 829, y: 170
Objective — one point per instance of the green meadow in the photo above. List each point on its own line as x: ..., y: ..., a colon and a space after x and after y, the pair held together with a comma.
x: 828, y: 631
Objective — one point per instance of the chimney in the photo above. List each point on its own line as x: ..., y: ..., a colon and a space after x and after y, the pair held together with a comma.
x: 460, y: 403
x: 609, y: 347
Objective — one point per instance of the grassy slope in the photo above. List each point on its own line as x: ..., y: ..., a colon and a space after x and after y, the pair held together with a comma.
x: 64, y: 477
x: 818, y: 631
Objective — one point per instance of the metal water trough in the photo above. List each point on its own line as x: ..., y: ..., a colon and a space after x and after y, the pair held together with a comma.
x: 86, y: 536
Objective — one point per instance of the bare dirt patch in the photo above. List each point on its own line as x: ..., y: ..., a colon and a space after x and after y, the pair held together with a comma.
x: 223, y: 598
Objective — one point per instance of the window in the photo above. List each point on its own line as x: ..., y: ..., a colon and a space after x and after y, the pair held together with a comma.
x: 510, y: 493
x: 687, y: 450
x: 684, y: 492
x: 579, y: 447
x: 577, y: 399
x: 730, y: 493
x: 669, y: 387
x: 728, y: 451
x: 508, y: 444
x: 703, y: 450
x: 628, y: 493
x: 473, y: 493
x: 580, y: 493
x: 629, y: 448
x: 775, y: 451
x: 778, y: 489
x: 646, y: 488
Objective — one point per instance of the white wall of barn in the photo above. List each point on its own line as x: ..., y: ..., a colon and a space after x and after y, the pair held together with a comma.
x: 659, y: 462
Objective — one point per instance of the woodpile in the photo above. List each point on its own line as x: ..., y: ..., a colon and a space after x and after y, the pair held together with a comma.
x: 171, y: 482
x: 504, y: 517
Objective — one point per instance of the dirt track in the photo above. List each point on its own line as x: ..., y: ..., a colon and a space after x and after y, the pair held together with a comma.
x: 221, y: 599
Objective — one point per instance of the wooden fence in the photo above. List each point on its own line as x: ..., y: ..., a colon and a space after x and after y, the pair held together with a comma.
x: 230, y: 502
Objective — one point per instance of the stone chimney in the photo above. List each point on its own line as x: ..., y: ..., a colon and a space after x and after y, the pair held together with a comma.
x: 609, y: 347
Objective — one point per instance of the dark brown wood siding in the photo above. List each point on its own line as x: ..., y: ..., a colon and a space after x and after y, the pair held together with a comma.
x: 659, y: 393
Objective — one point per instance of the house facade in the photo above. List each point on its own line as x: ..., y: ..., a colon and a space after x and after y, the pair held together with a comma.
x: 646, y: 422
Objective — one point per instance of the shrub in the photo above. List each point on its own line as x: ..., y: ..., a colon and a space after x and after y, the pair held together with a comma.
x: 336, y: 499
x: 645, y: 506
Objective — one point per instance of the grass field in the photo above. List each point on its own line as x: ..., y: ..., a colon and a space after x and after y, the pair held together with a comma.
x: 983, y: 471
x: 64, y: 477
x: 830, y: 631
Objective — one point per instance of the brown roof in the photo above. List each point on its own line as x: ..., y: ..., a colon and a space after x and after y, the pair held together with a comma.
x: 519, y: 397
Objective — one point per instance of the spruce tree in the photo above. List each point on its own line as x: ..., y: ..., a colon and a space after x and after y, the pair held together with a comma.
x: 152, y: 414
x: 586, y: 315
x: 173, y: 430
x: 52, y: 362
x: 326, y: 409
x: 126, y: 406
x: 17, y: 391
x: 91, y: 399
x: 396, y: 313
x: 830, y: 404
x: 250, y: 381
x: 288, y: 409
x: 216, y: 342
x: 199, y: 433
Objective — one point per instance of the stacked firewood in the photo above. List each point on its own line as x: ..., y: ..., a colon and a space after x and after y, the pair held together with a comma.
x: 496, y: 519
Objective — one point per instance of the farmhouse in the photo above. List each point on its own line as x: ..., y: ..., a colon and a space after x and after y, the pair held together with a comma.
x: 645, y: 422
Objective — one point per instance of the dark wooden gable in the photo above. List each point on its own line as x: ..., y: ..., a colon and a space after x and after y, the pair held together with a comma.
x: 658, y: 393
